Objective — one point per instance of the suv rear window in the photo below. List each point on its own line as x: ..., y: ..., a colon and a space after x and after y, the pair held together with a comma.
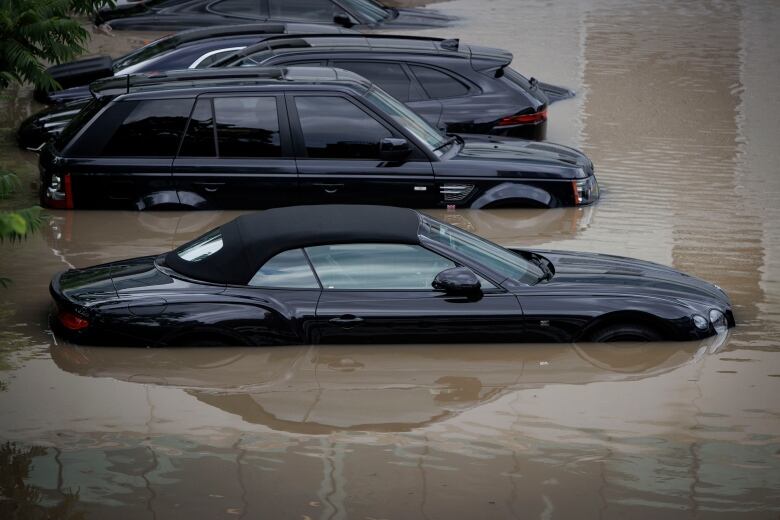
x: 139, y: 128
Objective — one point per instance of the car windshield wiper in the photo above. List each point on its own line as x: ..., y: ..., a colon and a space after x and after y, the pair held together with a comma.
x: 449, y: 141
x: 547, y: 273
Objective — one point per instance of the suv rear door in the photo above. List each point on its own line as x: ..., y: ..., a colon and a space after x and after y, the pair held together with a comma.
x: 337, y: 149
x: 237, y: 153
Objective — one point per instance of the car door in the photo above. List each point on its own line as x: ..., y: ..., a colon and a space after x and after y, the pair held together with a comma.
x: 236, y: 153
x: 279, y: 301
x: 119, y: 166
x: 395, y: 79
x: 337, y: 149
x: 382, y: 293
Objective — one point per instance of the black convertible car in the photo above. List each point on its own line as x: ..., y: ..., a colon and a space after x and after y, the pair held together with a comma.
x: 374, y: 274
x: 186, y: 14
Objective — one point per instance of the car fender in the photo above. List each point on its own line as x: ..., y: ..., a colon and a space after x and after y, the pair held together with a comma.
x: 522, y: 194
x: 170, y: 198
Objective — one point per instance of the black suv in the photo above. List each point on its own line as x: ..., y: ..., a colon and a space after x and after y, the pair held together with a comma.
x: 263, y: 137
x: 457, y: 87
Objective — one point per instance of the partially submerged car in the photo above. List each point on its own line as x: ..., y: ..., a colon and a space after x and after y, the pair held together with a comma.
x: 186, y: 14
x: 457, y: 87
x: 265, y: 137
x: 373, y: 274
x: 193, y: 49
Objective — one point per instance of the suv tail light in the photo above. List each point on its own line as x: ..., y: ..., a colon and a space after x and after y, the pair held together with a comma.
x: 59, y: 194
x: 524, y: 119
x: 71, y: 321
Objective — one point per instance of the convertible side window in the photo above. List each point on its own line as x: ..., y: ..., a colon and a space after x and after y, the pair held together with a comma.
x: 376, y: 266
x: 287, y: 270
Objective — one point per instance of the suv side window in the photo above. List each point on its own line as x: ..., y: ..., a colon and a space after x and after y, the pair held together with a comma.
x: 152, y: 129
x: 288, y: 270
x: 334, y: 128
x: 376, y: 266
x: 391, y: 77
x: 199, y: 139
x: 238, y: 7
x: 247, y: 127
x: 309, y: 10
x: 439, y: 85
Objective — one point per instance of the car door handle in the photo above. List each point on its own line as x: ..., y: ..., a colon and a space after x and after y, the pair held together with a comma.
x: 346, y: 320
x: 330, y: 188
x: 210, y: 187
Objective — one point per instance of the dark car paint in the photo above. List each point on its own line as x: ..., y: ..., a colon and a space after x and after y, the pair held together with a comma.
x: 492, y: 96
x: 142, y: 302
x: 186, y: 14
x: 484, y: 171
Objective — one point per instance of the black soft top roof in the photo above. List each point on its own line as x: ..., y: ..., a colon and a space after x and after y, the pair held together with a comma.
x: 250, y: 240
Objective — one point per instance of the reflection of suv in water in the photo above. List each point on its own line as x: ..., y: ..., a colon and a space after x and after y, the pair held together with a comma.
x: 260, y: 138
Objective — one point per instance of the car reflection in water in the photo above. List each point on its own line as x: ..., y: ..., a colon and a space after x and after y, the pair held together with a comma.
x: 320, y: 390
x: 81, y: 238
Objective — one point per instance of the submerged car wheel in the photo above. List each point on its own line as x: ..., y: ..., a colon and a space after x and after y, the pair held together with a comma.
x: 624, y: 332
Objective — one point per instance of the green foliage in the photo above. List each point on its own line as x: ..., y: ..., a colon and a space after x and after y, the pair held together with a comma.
x: 15, y: 225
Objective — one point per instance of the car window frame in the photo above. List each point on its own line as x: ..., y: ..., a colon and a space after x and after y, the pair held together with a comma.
x: 415, y: 85
x: 299, y: 143
x: 472, y: 88
x: 262, y: 13
x: 496, y: 289
x: 202, y: 58
x: 285, y: 138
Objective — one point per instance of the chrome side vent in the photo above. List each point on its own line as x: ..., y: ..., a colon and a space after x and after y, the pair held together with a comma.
x: 456, y: 192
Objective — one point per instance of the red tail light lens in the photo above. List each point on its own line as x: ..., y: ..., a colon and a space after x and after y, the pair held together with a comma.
x: 71, y: 321
x: 59, y: 194
x: 524, y: 119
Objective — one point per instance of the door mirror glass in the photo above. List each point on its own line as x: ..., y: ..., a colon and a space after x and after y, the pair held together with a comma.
x: 343, y: 19
x: 458, y: 281
x: 394, y: 149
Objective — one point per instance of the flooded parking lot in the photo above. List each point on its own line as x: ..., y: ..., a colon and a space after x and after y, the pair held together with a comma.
x: 677, y: 106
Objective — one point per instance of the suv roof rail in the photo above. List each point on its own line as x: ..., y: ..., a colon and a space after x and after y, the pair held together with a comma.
x: 302, y: 41
x: 119, y: 85
x: 280, y: 29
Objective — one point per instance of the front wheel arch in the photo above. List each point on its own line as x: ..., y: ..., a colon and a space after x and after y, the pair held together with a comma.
x: 612, y: 319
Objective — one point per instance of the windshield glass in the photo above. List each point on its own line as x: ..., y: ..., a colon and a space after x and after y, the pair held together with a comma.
x: 366, y: 10
x: 500, y: 260
x: 146, y: 52
x: 408, y: 119
x: 86, y: 111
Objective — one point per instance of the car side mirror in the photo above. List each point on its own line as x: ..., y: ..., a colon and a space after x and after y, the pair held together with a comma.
x: 394, y: 149
x: 458, y: 281
x: 343, y: 19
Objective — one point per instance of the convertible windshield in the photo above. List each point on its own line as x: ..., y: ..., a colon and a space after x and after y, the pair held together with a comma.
x: 497, y: 258
x: 366, y: 10
x: 146, y: 52
x: 405, y: 117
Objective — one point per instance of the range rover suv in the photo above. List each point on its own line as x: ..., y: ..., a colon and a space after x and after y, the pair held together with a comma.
x: 265, y: 137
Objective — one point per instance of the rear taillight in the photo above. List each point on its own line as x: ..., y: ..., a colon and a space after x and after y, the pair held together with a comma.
x: 524, y: 119
x: 71, y: 321
x: 59, y: 194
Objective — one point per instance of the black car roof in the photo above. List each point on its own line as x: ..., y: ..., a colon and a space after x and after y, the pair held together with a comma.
x: 208, y: 78
x: 249, y: 29
x: 249, y: 241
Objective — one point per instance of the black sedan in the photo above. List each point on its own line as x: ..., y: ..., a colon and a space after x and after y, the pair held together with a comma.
x: 186, y: 14
x: 374, y: 274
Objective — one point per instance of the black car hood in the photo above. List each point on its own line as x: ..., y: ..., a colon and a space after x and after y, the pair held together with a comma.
x: 492, y: 148
x: 589, y: 272
x: 418, y: 18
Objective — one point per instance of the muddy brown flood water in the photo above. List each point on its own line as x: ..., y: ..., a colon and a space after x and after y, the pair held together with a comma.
x: 678, y: 107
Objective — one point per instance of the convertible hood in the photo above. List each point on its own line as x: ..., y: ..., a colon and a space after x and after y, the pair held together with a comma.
x: 583, y: 271
x: 542, y: 154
